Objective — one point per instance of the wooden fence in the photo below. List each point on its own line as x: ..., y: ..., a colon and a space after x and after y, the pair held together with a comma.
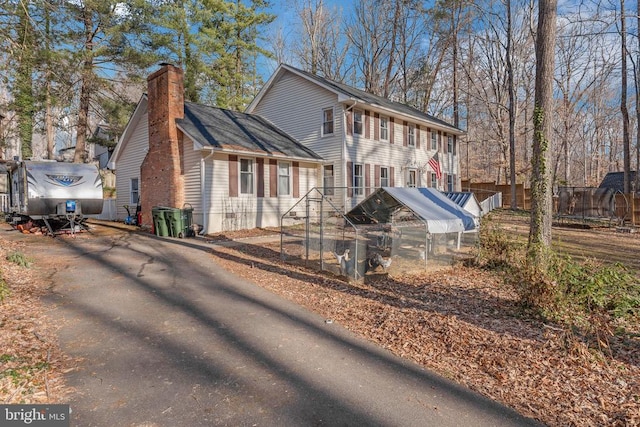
x: 626, y: 208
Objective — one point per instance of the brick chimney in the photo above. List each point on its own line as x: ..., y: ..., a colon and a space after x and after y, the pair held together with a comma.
x: 161, y: 175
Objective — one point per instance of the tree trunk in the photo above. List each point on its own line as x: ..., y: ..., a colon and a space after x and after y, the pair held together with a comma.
x: 512, y: 111
x: 48, y: 124
x: 623, y: 103
x: 80, y: 155
x: 541, y: 204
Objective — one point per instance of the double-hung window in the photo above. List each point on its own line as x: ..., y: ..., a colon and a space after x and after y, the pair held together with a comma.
x: 384, y: 128
x: 327, y: 121
x: 449, y: 182
x: 358, y: 179
x: 384, y: 177
x: 412, y: 178
x: 450, y: 144
x: 357, y: 122
x: 284, y: 182
x: 434, y: 180
x: 434, y: 140
x: 411, y: 135
x: 134, y: 192
x: 329, y: 182
x: 246, y: 176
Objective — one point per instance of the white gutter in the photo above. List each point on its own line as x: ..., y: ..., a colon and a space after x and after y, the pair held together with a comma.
x: 203, y: 197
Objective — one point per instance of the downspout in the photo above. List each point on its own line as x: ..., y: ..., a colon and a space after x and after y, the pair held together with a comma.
x: 203, y: 198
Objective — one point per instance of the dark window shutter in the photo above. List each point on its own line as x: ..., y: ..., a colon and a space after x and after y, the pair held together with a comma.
x: 349, y: 123
x: 455, y: 144
x: 376, y: 176
x: 273, y: 177
x: 367, y: 131
x: 260, y: 176
x: 296, y: 179
x: 391, y: 126
x: 392, y: 177
x: 349, y: 179
x: 233, y: 176
x: 417, y: 136
x: 376, y: 126
x: 405, y: 133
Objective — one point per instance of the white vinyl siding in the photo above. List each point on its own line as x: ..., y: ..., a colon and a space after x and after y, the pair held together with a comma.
x: 296, y: 94
x: 295, y: 105
x: 191, y: 166
x: 236, y: 213
x: 128, y: 164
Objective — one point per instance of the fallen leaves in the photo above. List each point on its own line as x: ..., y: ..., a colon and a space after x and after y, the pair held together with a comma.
x: 463, y: 324
x: 30, y: 360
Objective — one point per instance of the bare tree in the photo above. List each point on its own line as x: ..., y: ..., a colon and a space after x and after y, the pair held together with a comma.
x: 541, y: 205
x: 321, y: 47
x: 624, y: 109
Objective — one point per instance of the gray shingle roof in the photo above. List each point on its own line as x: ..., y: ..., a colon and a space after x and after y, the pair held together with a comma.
x: 375, y: 99
x: 615, y: 180
x: 226, y: 129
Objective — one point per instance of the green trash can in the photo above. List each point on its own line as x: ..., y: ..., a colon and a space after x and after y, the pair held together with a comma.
x: 160, y: 225
x: 174, y: 221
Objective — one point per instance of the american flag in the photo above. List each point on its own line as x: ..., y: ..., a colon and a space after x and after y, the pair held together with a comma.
x: 435, y: 165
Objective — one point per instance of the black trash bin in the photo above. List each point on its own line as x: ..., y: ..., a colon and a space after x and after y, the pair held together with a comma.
x: 187, y: 220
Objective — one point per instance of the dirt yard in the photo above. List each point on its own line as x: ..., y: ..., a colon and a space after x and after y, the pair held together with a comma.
x: 460, y: 322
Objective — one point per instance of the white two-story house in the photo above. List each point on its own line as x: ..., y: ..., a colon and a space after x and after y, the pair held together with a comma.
x: 365, y: 140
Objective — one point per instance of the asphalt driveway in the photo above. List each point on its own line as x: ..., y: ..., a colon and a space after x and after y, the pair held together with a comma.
x: 164, y: 337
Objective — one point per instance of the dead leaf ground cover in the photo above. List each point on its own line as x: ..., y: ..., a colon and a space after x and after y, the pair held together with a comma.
x: 464, y: 324
x: 31, y: 364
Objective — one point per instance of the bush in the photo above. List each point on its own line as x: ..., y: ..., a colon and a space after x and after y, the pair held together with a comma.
x: 578, y: 290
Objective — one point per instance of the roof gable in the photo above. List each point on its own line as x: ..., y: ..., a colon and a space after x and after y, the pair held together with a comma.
x: 347, y: 93
x: 140, y: 110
